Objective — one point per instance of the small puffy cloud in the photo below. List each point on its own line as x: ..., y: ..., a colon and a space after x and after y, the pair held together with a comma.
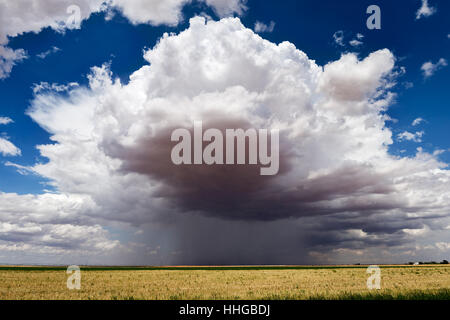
x: 428, y: 68
x: 225, y: 8
x: 9, y: 58
x: 425, y: 10
x: 356, y: 43
x: 408, y: 84
x: 338, y: 37
x: 416, y: 137
x: 5, y: 120
x: 8, y: 149
x: 45, y: 54
x: 417, y: 121
x: 261, y: 27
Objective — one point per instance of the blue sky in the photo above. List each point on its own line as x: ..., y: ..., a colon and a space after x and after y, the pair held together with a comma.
x: 116, y: 39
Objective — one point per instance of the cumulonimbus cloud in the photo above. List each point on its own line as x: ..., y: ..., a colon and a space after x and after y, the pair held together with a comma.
x: 112, y: 143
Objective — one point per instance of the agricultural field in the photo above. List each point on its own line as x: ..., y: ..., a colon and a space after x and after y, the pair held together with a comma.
x: 218, y: 283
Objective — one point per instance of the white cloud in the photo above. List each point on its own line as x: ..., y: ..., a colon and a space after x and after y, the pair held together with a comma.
x: 428, y: 68
x: 416, y: 137
x: 168, y: 12
x: 109, y: 165
x: 45, y: 86
x: 417, y: 232
x: 356, y: 43
x: 45, y: 225
x: 54, y: 238
x: 339, y: 78
x: 224, y: 8
x: 338, y: 37
x: 9, y: 58
x: 408, y: 85
x: 443, y: 246
x: 261, y: 27
x: 8, y: 149
x: 417, y: 121
x: 21, y: 16
x: 425, y: 10
x: 5, y: 120
x: 156, y: 12
x: 45, y: 54
x: 23, y: 170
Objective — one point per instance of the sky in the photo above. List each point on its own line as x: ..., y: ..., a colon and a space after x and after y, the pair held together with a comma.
x: 90, y: 92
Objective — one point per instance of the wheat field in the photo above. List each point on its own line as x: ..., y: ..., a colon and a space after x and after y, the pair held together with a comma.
x: 397, y: 282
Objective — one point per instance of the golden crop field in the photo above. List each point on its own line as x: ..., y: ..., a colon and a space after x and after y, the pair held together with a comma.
x: 397, y: 282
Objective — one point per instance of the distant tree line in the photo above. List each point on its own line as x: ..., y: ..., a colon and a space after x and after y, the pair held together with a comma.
x: 429, y: 262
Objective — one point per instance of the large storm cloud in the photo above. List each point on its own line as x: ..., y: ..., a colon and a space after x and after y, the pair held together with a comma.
x: 338, y: 190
